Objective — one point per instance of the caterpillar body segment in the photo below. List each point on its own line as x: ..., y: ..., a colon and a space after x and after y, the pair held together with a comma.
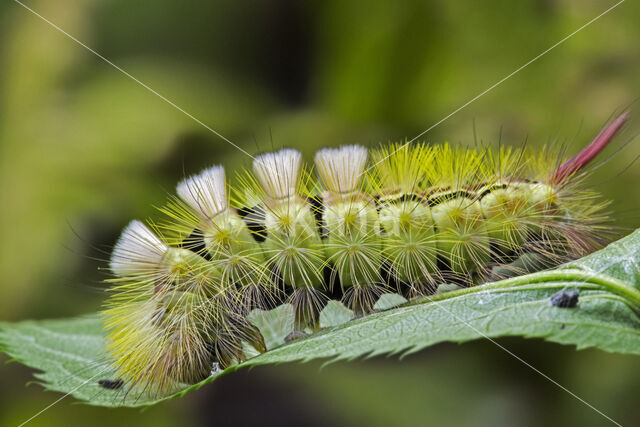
x: 408, y: 231
x: 292, y: 243
x: 156, y: 316
x: 402, y: 218
x: 352, y: 244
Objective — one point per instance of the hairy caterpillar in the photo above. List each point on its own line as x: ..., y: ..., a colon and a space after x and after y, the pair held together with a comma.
x: 402, y: 218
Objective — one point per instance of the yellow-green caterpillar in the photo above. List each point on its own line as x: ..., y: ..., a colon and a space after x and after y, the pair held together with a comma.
x: 402, y: 218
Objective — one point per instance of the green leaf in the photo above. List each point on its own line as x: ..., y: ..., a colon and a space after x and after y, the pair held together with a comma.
x: 619, y: 260
x: 70, y: 353
x: 387, y: 301
x: 334, y: 314
x: 274, y: 324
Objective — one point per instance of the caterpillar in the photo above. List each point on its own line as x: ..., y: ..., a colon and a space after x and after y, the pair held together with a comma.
x: 402, y: 218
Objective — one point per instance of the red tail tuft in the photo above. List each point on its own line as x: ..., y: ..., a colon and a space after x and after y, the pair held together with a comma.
x: 588, y: 153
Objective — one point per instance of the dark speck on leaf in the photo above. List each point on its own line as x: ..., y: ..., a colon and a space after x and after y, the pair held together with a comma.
x: 111, y: 384
x: 565, y: 299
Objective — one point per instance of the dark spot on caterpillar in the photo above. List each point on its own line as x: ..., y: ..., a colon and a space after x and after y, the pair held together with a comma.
x: 387, y: 275
x: 450, y: 195
x: 254, y: 217
x: 409, y: 198
x: 379, y: 202
x: 562, y: 326
x: 490, y: 189
x: 317, y: 208
x: 399, y: 198
x: 333, y: 287
x: 111, y: 384
x: 565, y: 299
x: 295, y: 335
x: 195, y: 243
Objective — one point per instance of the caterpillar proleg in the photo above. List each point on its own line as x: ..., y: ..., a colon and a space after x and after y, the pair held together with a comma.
x: 402, y: 218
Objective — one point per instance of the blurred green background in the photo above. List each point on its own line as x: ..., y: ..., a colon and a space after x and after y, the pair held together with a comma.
x: 84, y: 149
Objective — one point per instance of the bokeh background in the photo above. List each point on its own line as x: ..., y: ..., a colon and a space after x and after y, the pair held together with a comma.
x: 84, y: 149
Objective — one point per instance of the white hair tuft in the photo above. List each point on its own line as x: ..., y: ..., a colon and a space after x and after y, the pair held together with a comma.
x: 340, y: 169
x: 206, y: 192
x: 278, y: 172
x: 138, y: 251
